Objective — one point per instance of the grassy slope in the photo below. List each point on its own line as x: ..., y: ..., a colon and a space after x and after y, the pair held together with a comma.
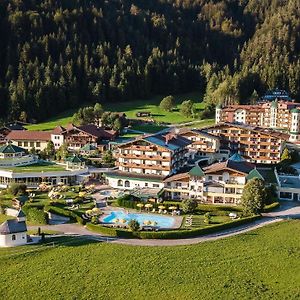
x: 263, y: 264
x: 131, y: 108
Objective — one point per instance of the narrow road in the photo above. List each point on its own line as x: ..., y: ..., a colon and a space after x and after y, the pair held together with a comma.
x: 286, y: 211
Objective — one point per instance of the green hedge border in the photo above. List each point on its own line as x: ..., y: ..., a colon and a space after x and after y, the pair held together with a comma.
x: 66, y: 213
x: 271, y: 207
x: 170, y: 234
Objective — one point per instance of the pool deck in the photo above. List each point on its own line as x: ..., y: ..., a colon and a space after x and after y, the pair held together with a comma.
x: 107, y: 210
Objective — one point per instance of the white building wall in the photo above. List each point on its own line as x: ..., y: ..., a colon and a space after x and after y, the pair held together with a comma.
x: 6, y: 240
x: 133, y: 183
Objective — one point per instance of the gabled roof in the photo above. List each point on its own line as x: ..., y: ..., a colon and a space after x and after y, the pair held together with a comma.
x: 236, y: 157
x: 254, y: 174
x: 98, y: 132
x: 75, y: 159
x: 29, y: 135
x: 177, y: 177
x: 11, y: 149
x: 12, y: 226
x: 196, y: 171
x: 239, y: 166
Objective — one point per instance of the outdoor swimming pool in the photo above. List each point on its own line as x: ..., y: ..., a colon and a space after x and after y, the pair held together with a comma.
x: 117, y: 217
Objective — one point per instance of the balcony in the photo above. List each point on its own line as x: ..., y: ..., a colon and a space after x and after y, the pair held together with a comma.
x: 143, y: 166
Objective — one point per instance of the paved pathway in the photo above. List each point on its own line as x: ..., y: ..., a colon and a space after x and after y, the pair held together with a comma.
x: 288, y: 210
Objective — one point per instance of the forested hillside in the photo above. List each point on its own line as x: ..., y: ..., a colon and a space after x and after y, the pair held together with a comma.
x: 56, y: 54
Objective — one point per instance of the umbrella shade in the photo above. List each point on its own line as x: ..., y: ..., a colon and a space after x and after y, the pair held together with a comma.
x: 116, y: 220
x: 147, y: 222
x: 140, y: 205
x: 96, y: 210
x: 148, y: 205
x: 123, y: 220
x: 161, y: 207
x: 153, y: 223
x: 61, y: 183
x: 173, y: 207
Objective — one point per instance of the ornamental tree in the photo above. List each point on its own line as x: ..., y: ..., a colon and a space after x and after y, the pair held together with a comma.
x: 254, y: 196
x: 189, y: 205
x: 167, y: 103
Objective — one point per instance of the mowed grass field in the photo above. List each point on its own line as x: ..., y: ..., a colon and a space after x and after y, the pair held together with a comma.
x: 262, y: 264
x: 131, y: 108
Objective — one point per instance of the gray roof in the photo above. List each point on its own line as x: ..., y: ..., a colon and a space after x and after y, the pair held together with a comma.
x: 289, y: 182
x: 12, y: 226
x: 174, y: 143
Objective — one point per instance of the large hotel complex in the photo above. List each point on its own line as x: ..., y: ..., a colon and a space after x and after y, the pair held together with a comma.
x: 211, y: 164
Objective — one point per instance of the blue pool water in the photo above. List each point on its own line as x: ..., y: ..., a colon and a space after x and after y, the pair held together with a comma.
x: 161, y: 221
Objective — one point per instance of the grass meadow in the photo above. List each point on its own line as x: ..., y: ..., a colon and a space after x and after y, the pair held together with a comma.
x: 261, y: 264
x: 131, y: 108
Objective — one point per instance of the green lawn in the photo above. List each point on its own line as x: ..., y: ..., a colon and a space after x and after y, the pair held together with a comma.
x: 262, y: 264
x: 39, y: 167
x: 131, y: 108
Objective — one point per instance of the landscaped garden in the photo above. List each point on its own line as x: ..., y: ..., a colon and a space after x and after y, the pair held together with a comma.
x: 261, y: 264
x: 68, y: 201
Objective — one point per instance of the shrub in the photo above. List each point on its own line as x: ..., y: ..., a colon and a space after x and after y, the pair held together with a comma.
x: 207, y: 218
x: 34, y: 215
x: 127, y: 201
x: 95, y: 220
x: 271, y: 207
x: 134, y: 225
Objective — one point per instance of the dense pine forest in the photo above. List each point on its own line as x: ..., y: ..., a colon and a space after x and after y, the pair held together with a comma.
x: 57, y: 54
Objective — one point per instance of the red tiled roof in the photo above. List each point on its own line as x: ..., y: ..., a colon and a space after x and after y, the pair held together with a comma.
x: 58, y: 130
x: 29, y: 135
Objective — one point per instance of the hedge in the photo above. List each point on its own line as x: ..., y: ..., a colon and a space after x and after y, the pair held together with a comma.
x: 110, y: 231
x: 66, y: 213
x: 170, y: 234
x: 271, y: 207
x: 35, y: 215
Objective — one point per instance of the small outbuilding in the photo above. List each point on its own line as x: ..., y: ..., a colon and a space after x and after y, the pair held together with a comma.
x: 13, y: 233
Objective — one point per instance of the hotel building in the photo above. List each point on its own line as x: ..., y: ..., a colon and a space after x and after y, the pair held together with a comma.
x: 283, y: 115
x: 256, y: 144
x: 219, y: 183
x: 147, y: 160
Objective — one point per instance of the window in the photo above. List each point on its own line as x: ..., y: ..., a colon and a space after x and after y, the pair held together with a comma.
x: 285, y: 195
x: 146, y: 183
x: 120, y: 182
x: 13, y: 237
x: 38, y: 144
x: 25, y: 144
x: 127, y: 183
x: 155, y: 185
x: 31, y: 144
x: 220, y: 178
x: 19, y: 144
x: 210, y: 177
